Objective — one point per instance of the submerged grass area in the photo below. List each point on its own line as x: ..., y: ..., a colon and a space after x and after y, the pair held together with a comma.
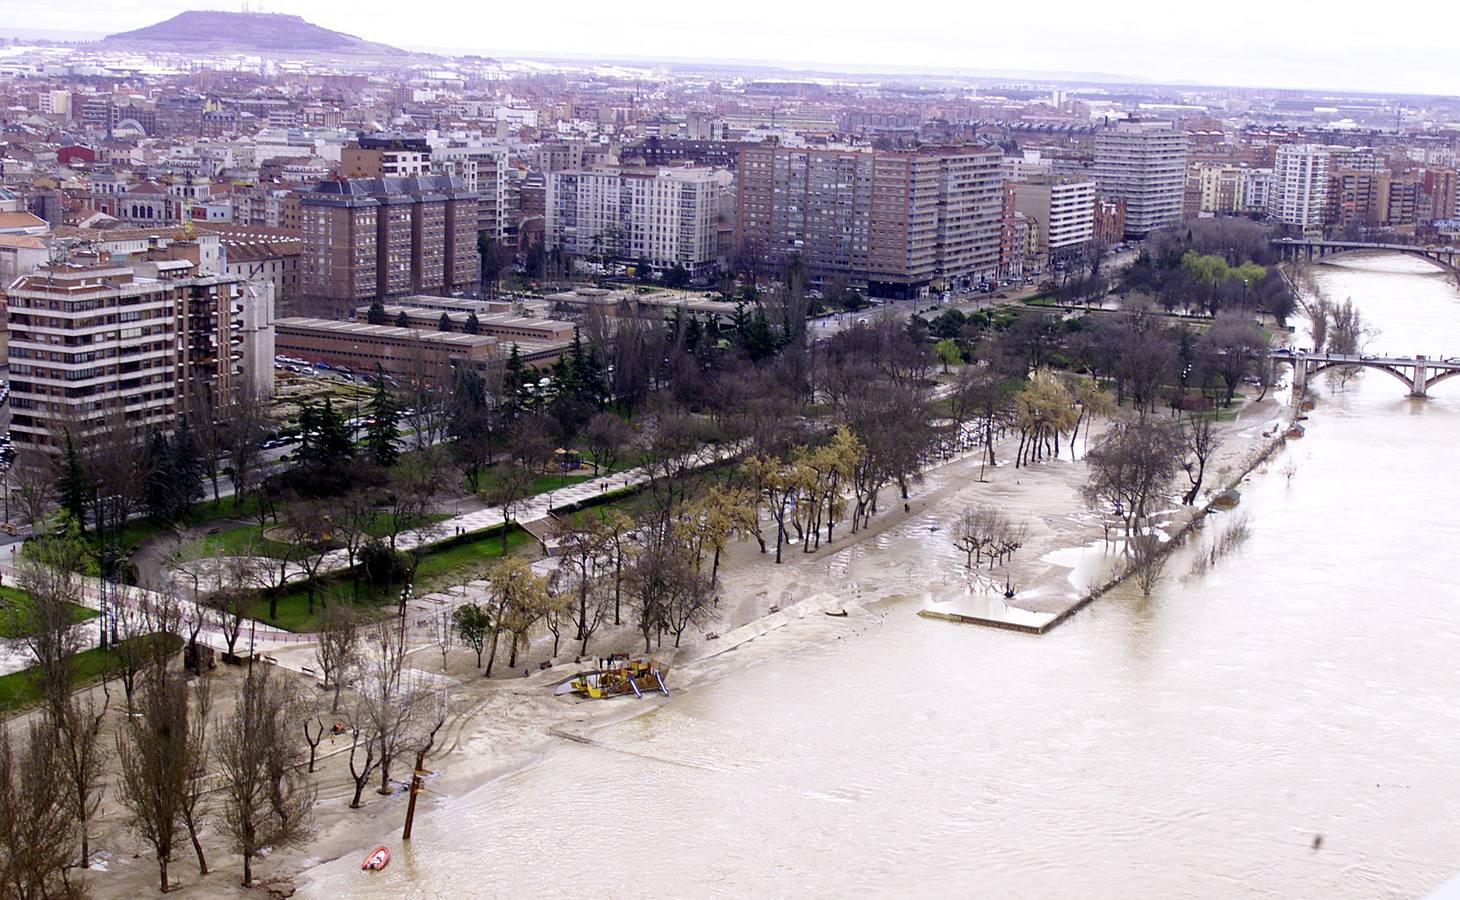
x: 19, y: 690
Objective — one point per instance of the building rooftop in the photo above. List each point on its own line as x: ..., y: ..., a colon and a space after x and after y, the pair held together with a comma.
x: 334, y: 326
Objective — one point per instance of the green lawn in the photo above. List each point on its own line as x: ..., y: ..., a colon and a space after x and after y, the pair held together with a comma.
x: 544, y: 483
x: 251, y: 537
x: 623, y: 499
x: 14, y: 601
x: 18, y: 690
x: 202, y: 515
x: 436, y: 566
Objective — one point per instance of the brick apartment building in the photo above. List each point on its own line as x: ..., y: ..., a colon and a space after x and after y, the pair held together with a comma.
x: 370, y: 239
x: 901, y: 221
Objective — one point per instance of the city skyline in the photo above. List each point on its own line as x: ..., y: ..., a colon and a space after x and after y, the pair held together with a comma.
x: 1145, y: 43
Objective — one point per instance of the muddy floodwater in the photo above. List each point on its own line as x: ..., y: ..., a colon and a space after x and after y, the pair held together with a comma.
x: 1190, y: 744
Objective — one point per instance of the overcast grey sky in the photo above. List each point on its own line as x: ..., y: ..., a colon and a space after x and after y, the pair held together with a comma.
x: 1409, y: 46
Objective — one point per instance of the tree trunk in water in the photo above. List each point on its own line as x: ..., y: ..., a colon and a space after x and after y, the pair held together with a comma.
x: 247, y: 871
x: 492, y: 656
x: 162, y: 871
x: 197, y: 847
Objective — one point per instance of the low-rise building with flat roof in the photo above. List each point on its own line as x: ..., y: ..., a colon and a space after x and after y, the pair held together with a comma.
x: 503, y: 326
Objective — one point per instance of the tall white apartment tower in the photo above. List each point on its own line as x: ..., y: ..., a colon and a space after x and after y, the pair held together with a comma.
x: 663, y: 216
x: 1298, y: 194
x: 1143, y: 163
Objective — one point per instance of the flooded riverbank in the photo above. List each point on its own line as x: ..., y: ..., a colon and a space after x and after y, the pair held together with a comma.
x: 1192, y: 743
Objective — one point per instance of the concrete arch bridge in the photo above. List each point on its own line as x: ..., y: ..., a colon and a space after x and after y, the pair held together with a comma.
x: 1447, y: 258
x: 1417, y: 373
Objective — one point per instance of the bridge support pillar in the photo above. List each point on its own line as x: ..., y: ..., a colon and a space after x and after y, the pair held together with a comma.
x: 1300, y: 377
x: 1421, y: 377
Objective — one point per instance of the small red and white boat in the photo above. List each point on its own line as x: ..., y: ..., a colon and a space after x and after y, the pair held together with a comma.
x: 379, y: 858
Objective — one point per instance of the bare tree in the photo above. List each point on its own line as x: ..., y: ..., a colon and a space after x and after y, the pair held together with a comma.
x: 78, y: 757
x: 585, y: 550
x: 1200, y: 439
x: 668, y: 593
x: 82, y: 762
x: 153, y: 757
x: 131, y: 654
x: 195, y: 805
x: 363, y: 758
x: 32, y: 480
x: 986, y: 532
x: 607, y: 436
x: 506, y: 486
x: 338, y: 649
x: 355, y: 515
x: 242, y: 430
x: 426, y: 393
x: 1148, y: 558
x: 389, y: 708
x: 443, y: 634
x: 308, y: 529
x: 37, y: 827
x: 266, y: 795
x: 394, y: 712
x: 1133, y: 467
x: 230, y: 606
x: 973, y: 532
x: 313, y: 733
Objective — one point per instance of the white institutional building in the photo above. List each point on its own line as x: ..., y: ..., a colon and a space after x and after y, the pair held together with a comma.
x: 664, y: 216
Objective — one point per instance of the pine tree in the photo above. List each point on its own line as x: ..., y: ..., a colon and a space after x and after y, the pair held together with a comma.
x: 157, y: 490
x: 384, y: 426
x: 74, y: 485
x: 594, y: 381
x: 473, y: 324
x: 376, y: 315
x: 335, y: 442
x: 187, y: 469
x: 514, y: 386
x: 402, y: 320
x: 324, y: 437
x: 757, y: 338
x: 444, y: 323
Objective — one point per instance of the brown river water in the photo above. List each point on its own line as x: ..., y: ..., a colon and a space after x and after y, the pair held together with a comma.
x: 1189, y: 744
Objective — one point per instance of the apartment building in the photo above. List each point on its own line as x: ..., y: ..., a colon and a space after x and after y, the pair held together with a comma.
x: 900, y: 220
x: 1222, y: 189
x: 92, y: 347
x: 665, y: 217
x: 1144, y: 164
x: 376, y: 238
x: 483, y: 169
x: 1299, y: 194
x: 1357, y: 199
x: 385, y: 156
x: 1062, y: 211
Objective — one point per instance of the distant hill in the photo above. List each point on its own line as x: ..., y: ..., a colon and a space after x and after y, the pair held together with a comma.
x: 208, y: 30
